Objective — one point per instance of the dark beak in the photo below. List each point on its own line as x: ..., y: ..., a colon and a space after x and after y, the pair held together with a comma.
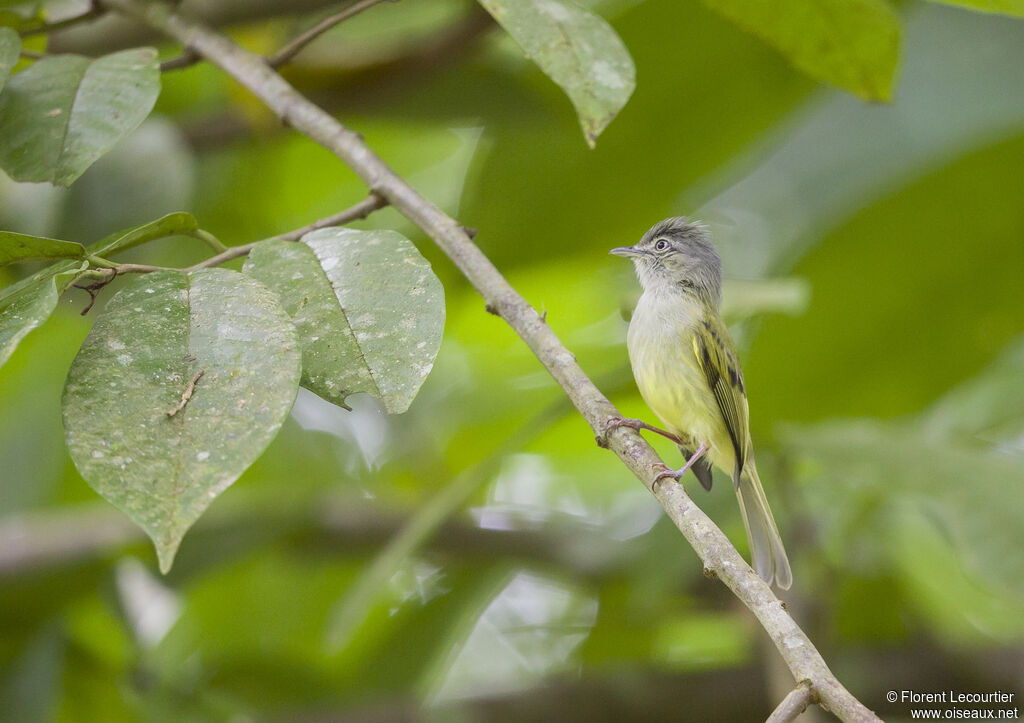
x: 627, y: 251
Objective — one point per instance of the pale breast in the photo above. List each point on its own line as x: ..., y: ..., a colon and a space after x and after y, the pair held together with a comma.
x: 668, y: 374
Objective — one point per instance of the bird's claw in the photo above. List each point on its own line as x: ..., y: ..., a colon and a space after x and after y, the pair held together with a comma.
x: 666, y: 473
x: 677, y: 474
x: 637, y: 424
x: 616, y: 422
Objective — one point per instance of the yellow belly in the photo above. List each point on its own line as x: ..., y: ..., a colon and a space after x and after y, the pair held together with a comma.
x: 673, y: 385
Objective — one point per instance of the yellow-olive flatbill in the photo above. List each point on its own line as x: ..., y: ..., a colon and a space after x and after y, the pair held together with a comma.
x: 686, y: 368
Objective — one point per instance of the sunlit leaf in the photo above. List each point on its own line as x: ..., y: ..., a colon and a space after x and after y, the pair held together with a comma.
x: 20, y: 247
x: 9, y: 294
x: 1004, y: 7
x: 576, y: 49
x: 180, y: 385
x: 852, y: 44
x: 368, y: 308
x: 170, y: 225
x: 10, y: 46
x: 27, y: 307
x: 62, y: 113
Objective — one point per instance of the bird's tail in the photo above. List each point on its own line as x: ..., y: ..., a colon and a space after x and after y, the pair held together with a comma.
x: 766, y: 550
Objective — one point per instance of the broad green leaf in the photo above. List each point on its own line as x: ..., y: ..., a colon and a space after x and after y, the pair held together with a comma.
x: 19, y: 247
x: 22, y: 312
x: 59, y: 115
x: 218, y: 328
x: 10, y: 47
x: 576, y: 49
x: 368, y: 308
x: 852, y: 44
x: 1004, y: 7
x: 172, y: 224
x: 9, y: 294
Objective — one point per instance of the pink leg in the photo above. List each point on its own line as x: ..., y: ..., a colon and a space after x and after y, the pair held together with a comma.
x: 637, y: 424
x: 676, y: 474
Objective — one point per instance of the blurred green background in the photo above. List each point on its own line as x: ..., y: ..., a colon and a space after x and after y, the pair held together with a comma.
x: 875, y: 264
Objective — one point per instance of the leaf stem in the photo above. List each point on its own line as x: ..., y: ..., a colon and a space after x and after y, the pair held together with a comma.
x: 209, y: 239
x: 101, y: 262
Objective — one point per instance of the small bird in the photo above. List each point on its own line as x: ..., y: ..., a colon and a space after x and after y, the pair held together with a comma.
x: 685, y: 365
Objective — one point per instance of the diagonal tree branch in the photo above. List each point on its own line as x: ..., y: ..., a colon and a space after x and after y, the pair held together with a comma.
x: 720, y: 558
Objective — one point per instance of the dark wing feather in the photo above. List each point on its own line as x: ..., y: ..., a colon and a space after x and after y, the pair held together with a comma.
x: 717, y: 358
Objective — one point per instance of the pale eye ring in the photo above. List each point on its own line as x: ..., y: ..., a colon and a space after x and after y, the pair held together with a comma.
x: 661, y: 245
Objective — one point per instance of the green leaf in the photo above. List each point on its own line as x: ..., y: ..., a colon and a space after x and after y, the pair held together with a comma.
x: 576, y: 49
x: 19, y: 247
x: 369, y: 311
x: 9, y: 294
x: 173, y: 224
x: 59, y: 115
x: 32, y: 304
x: 10, y: 47
x: 1004, y: 7
x: 852, y: 44
x: 217, y: 328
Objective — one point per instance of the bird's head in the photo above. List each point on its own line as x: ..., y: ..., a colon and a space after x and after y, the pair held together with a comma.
x: 677, y: 254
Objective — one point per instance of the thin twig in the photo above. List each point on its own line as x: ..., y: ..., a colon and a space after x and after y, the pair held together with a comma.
x: 187, y: 59
x: 91, y: 14
x: 295, y: 46
x: 360, y: 210
x: 353, y: 213
x: 135, y: 269
x: 714, y: 548
x: 793, y: 704
x: 186, y: 395
x: 190, y: 57
x: 405, y: 64
x: 33, y: 54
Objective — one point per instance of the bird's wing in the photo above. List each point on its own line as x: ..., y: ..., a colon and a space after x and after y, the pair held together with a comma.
x: 716, y: 355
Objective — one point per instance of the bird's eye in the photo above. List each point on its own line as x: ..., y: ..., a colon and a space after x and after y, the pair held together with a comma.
x: 661, y: 245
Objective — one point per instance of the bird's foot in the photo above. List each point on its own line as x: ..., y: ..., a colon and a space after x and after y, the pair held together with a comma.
x: 676, y: 474
x: 638, y: 424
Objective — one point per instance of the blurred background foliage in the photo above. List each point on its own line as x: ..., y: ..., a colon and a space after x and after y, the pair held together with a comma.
x: 479, y: 558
